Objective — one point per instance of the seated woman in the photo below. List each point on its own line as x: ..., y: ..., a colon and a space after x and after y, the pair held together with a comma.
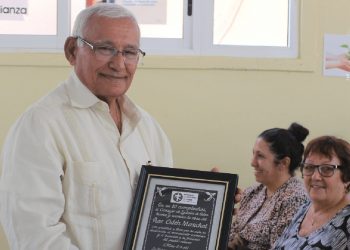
x: 267, y: 208
x: 324, y: 222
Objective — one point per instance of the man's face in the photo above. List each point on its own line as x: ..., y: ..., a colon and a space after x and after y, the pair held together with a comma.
x: 107, y: 77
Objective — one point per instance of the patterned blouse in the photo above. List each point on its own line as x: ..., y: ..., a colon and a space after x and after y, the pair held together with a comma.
x: 333, y: 235
x: 261, y: 219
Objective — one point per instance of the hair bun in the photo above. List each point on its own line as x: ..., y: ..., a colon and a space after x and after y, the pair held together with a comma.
x: 299, y: 132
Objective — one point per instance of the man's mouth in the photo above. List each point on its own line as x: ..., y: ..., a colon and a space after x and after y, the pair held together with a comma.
x: 110, y: 76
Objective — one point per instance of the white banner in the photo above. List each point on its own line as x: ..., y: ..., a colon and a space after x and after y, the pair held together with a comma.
x: 13, y: 9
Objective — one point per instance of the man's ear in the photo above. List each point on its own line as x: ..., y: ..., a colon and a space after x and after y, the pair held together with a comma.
x: 70, y: 47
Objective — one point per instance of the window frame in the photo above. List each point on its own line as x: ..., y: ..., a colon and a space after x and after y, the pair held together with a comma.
x: 196, y: 40
x: 208, y: 48
x: 199, y: 41
x: 41, y: 43
x: 308, y: 43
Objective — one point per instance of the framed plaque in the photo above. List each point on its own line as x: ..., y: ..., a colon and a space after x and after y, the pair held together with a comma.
x: 181, y: 209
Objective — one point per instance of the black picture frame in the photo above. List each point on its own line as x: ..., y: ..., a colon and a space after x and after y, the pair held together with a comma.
x: 181, y: 209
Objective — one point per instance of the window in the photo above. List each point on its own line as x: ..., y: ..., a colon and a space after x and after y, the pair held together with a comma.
x: 242, y: 28
x: 33, y: 24
x: 253, y: 28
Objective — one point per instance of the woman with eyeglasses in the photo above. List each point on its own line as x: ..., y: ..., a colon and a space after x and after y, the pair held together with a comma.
x: 268, y: 207
x: 324, y: 222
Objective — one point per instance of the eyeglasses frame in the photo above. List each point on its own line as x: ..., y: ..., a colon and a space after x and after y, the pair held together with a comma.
x: 115, y: 51
x: 335, y: 166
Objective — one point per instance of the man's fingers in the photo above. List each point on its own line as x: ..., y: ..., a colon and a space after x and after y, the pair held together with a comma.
x: 215, y: 169
x: 238, y: 195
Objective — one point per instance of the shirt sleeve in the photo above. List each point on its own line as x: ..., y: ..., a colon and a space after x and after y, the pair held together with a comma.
x: 31, y: 197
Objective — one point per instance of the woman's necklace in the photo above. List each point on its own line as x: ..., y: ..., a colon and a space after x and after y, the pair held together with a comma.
x: 313, y: 221
x: 320, y: 218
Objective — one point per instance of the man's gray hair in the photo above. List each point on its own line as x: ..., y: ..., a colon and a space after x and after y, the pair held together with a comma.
x: 111, y: 10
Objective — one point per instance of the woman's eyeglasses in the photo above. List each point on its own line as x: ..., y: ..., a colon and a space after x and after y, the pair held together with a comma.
x: 325, y: 170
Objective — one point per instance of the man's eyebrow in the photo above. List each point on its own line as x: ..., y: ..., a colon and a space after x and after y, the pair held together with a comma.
x: 130, y: 46
x: 106, y: 43
x: 111, y: 44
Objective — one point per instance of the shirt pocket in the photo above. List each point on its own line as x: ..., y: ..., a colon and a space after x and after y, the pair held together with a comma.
x: 82, y: 184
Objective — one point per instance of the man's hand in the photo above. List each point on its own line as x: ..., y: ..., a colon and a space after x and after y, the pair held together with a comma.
x: 215, y: 169
x: 238, y: 198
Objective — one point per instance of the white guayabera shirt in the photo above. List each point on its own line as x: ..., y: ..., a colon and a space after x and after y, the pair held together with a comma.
x: 68, y: 176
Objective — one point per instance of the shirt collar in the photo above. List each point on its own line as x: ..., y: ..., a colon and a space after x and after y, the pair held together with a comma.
x: 81, y: 97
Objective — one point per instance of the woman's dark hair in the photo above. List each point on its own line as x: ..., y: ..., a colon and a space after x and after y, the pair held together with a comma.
x: 330, y: 146
x: 287, y: 143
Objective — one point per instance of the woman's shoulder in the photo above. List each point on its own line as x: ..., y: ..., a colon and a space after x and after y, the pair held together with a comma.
x: 345, y: 212
x: 295, y: 187
x: 253, y: 194
x: 295, y: 181
x: 253, y: 190
x: 292, y: 195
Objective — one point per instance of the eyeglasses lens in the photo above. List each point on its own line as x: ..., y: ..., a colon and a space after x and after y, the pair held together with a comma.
x: 324, y: 170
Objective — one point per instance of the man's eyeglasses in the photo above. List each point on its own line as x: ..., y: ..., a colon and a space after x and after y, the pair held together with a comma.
x: 325, y: 170
x: 106, y: 52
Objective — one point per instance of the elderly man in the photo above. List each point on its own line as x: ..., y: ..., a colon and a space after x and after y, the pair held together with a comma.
x: 71, y: 161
